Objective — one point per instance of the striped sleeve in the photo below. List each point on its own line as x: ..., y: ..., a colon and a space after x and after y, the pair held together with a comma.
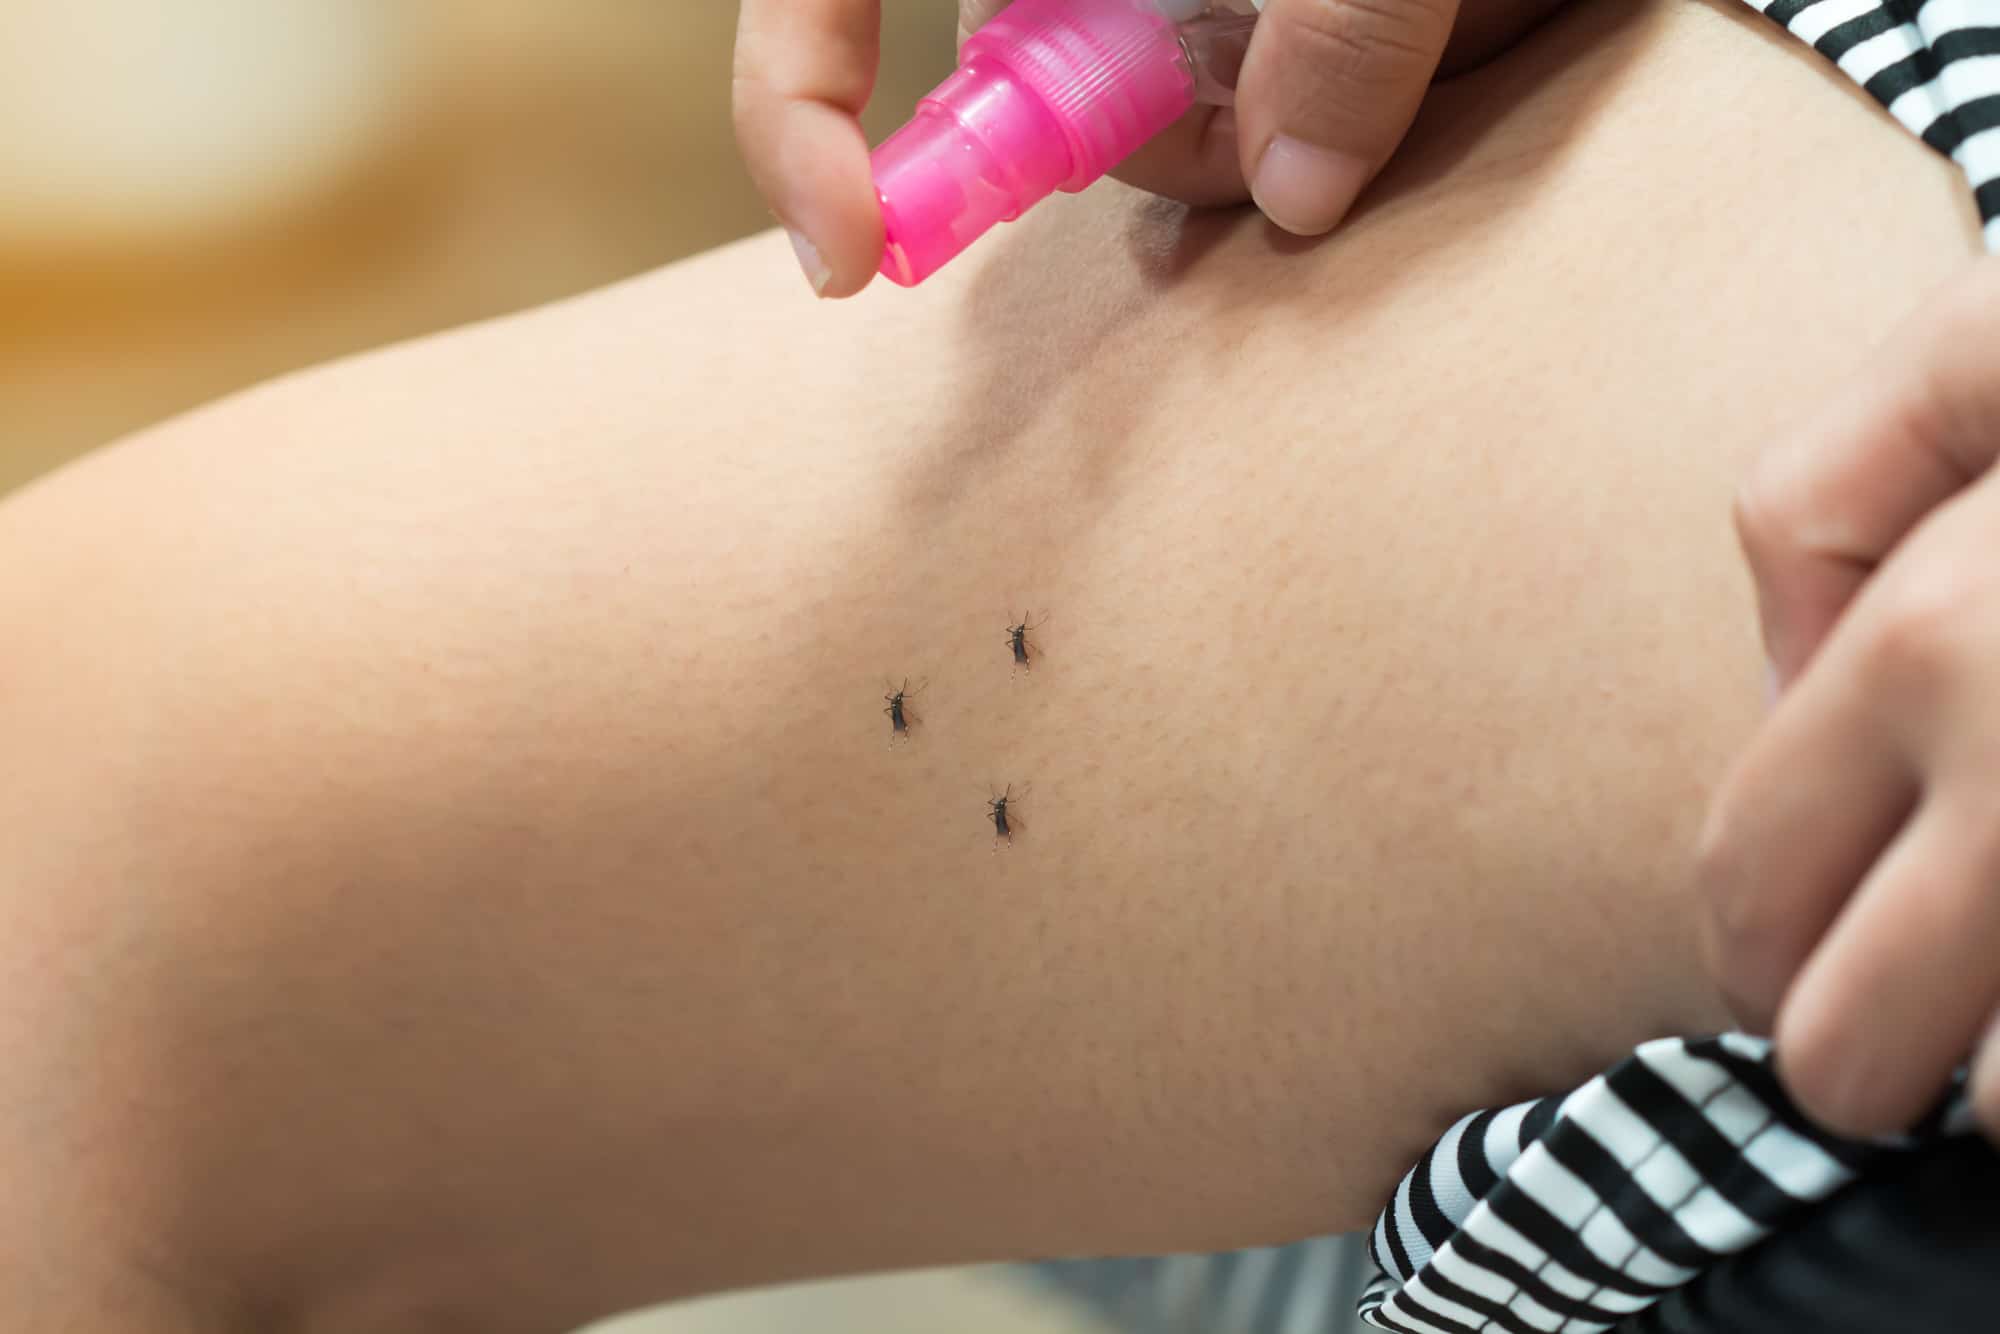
x: 1596, y: 1205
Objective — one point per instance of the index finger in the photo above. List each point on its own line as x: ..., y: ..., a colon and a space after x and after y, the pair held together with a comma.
x: 804, y: 70
x: 1819, y: 514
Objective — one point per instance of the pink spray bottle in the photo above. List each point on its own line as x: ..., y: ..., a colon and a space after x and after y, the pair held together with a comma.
x: 1050, y: 95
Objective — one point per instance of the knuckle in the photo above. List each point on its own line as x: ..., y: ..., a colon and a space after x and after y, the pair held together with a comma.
x: 1919, y: 639
x: 1737, y: 932
x: 1368, y: 43
x: 1761, y: 507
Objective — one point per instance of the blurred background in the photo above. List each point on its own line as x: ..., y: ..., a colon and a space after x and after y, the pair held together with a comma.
x: 199, y: 195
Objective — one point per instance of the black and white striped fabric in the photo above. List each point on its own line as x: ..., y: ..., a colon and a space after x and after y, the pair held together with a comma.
x: 1570, y: 1214
x: 1935, y: 64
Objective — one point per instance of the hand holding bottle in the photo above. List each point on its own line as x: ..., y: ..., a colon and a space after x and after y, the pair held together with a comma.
x: 1327, y: 90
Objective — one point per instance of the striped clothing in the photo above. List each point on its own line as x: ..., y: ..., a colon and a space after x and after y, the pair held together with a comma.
x: 1573, y: 1213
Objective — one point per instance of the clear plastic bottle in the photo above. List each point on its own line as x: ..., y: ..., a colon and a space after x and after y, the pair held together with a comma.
x: 1050, y: 95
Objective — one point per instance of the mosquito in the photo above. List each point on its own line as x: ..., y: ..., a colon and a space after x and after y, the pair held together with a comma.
x: 1025, y: 650
x: 902, y: 713
x: 1002, y: 811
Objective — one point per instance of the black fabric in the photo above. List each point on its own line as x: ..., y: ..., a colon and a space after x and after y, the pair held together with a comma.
x: 1913, y: 1248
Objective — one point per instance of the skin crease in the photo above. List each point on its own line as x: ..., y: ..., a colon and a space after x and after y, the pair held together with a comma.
x: 461, y: 878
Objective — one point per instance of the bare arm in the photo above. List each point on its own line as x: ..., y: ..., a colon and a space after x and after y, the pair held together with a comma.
x: 459, y: 869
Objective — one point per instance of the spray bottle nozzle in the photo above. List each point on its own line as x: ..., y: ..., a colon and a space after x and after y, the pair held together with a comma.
x: 1049, y: 96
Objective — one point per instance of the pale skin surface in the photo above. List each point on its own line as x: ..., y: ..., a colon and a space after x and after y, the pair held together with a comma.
x: 456, y: 875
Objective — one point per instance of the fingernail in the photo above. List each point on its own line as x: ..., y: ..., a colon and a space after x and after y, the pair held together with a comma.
x: 817, y: 273
x: 1304, y: 188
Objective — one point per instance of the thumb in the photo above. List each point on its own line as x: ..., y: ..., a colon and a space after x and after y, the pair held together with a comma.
x: 1327, y: 92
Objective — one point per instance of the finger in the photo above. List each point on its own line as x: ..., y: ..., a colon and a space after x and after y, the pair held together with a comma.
x: 804, y: 70
x: 1327, y: 93
x: 1818, y: 514
x: 976, y: 14
x: 1895, y: 699
x: 1194, y: 160
x: 1897, y: 995
x: 1799, y: 820
x: 1985, y: 1082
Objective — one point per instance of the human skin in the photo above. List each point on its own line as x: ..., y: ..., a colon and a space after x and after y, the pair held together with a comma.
x: 456, y: 872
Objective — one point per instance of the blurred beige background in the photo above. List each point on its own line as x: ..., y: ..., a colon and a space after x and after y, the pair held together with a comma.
x: 200, y: 195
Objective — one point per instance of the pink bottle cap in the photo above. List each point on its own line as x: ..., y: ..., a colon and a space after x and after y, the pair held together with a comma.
x: 1049, y: 96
